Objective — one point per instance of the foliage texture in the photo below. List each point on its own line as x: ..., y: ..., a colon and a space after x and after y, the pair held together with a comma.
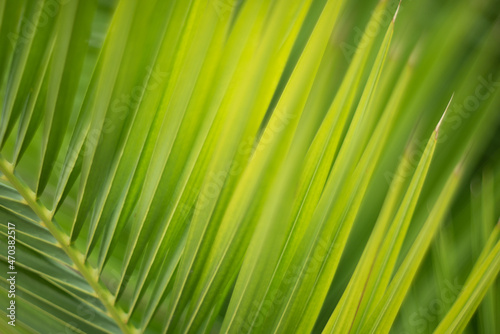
x: 250, y: 166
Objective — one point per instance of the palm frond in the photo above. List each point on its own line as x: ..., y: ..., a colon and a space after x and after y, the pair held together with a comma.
x: 249, y: 166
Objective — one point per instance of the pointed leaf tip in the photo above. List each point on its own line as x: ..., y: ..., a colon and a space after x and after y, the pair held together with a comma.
x: 442, y: 117
x: 396, y: 13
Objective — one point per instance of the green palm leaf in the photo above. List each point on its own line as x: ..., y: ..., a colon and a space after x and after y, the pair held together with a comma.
x: 257, y: 166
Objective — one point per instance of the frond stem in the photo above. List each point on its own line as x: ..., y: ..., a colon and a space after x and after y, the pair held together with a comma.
x: 77, y: 257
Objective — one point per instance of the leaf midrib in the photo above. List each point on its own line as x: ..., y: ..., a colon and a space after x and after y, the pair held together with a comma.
x: 77, y: 257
